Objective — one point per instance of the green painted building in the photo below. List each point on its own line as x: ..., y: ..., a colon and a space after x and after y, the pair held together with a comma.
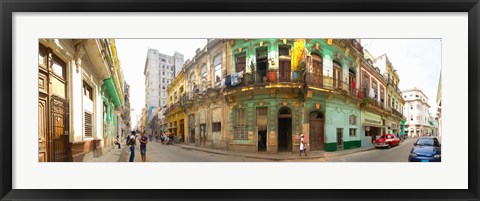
x: 278, y: 89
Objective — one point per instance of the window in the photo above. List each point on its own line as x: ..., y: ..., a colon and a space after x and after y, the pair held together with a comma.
x: 284, y: 51
x: 418, y: 106
x: 382, y: 95
x: 240, y: 62
x: 217, y: 69
x: 88, y: 124
x: 58, y: 66
x: 216, y: 127
x: 240, y: 129
x: 337, y: 75
x: 353, y: 132
x: 416, y: 96
x: 203, y: 72
x: 353, y: 120
x: 87, y: 91
x: 374, y: 88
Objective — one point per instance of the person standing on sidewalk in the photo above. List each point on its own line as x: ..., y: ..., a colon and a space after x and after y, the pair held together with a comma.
x: 303, y: 146
x: 131, y: 142
x: 117, y: 141
x: 143, y: 146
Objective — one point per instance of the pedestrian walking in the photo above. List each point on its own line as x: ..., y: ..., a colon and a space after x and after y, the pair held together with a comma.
x: 117, y: 141
x: 143, y: 146
x: 131, y: 143
x: 303, y: 146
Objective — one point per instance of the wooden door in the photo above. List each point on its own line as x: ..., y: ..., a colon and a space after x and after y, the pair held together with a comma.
x: 284, y: 71
x: 337, y: 75
x: 316, y: 131
x: 53, y: 117
x: 59, y: 136
x: 43, y: 120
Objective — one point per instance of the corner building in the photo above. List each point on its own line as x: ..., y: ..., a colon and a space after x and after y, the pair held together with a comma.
x: 278, y: 89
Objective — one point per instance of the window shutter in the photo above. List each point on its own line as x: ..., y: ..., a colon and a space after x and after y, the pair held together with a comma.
x: 88, y: 124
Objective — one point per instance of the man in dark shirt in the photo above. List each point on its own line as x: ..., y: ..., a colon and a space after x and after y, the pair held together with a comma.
x: 143, y: 146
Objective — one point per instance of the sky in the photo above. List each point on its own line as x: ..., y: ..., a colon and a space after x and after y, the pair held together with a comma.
x: 417, y: 61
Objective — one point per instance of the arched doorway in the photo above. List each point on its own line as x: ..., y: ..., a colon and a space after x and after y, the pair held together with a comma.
x: 317, y: 139
x: 284, y: 129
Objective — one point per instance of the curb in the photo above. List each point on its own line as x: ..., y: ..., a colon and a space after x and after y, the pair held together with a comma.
x: 273, y: 159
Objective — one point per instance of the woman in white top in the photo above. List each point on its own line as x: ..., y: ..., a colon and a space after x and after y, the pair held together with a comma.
x: 303, y: 146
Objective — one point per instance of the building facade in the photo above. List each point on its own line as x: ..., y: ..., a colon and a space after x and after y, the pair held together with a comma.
x: 72, y: 76
x: 174, y: 114
x: 417, y: 113
x: 160, y: 70
x: 394, y: 99
x: 260, y: 95
x: 203, y: 102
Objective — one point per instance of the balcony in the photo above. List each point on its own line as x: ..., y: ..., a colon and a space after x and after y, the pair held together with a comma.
x: 187, y: 100
x: 397, y: 113
x: 172, y: 108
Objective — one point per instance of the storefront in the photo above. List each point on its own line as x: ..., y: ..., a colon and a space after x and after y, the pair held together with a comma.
x: 372, y: 126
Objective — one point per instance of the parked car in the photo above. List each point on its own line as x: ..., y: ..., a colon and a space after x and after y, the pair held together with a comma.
x: 387, y: 140
x: 426, y: 149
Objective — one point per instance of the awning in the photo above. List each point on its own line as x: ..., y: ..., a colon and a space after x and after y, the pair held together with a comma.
x: 112, y: 91
x: 373, y: 125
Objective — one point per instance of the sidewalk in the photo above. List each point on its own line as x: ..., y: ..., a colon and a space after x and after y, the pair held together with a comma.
x: 278, y: 156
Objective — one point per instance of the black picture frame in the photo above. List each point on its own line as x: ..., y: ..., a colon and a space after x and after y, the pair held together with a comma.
x: 8, y: 7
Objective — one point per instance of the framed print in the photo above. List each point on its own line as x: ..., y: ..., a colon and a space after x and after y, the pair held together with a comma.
x: 197, y: 100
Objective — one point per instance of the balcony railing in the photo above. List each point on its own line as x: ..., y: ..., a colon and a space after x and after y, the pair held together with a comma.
x: 397, y: 113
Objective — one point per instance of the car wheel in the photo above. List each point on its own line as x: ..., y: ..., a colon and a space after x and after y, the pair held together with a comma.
x: 389, y: 146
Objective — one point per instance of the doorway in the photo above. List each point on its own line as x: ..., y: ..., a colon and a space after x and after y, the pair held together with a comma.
x: 262, y: 62
x: 284, y: 129
x: 191, y: 128
x: 317, y: 139
x: 182, y: 131
x: 262, y: 119
x: 339, y: 138
x: 53, y: 116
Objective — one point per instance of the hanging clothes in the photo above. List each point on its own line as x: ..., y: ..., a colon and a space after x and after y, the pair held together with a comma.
x: 234, y: 79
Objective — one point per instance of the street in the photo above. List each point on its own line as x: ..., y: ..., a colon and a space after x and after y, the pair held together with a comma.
x: 395, y: 154
x: 157, y: 152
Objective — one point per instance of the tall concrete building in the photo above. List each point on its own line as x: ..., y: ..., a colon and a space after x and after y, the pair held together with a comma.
x: 160, y: 70
x: 416, y: 111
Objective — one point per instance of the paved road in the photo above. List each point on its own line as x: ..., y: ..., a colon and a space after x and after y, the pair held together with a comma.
x: 157, y: 152
x: 395, y: 154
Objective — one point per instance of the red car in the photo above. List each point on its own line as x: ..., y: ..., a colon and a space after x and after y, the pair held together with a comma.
x: 387, y: 140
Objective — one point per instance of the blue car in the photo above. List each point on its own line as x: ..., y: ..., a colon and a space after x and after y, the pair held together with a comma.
x: 426, y: 149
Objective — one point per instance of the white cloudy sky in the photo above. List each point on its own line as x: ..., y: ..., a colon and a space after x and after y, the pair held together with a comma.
x: 417, y: 61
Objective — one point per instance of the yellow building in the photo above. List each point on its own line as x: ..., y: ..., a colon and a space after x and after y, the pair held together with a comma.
x: 174, y: 114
